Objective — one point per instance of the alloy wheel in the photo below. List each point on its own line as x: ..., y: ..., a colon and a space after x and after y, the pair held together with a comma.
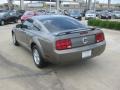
x: 36, y: 56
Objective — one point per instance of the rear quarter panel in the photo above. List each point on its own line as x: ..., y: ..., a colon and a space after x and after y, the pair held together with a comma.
x: 45, y: 43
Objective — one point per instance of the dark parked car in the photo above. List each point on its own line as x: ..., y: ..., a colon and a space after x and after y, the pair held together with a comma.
x: 105, y: 15
x: 75, y: 14
x: 98, y: 12
x: 20, y: 13
x: 7, y: 17
x: 58, y: 39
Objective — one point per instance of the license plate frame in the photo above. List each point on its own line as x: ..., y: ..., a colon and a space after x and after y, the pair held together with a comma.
x: 86, y: 54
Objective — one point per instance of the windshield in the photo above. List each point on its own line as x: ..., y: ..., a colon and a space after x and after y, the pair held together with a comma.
x: 74, y: 12
x: 62, y: 24
x: 90, y: 12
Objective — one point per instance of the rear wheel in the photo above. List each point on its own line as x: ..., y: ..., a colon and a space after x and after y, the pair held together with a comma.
x: 15, y: 42
x: 22, y: 21
x: 2, y: 22
x: 16, y: 21
x: 37, y: 57
x: 80, y: 18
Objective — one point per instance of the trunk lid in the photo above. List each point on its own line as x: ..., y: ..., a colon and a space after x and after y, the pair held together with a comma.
x: 78, y: 37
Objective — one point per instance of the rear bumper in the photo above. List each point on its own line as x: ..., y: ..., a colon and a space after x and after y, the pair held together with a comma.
x: 104, y: 17
x: 72, y: 55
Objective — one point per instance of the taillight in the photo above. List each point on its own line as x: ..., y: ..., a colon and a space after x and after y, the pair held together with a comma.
x: 63, y: 44
x: 100, y: 37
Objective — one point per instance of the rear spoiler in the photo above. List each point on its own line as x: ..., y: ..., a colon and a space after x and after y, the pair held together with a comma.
x: 73, y: 31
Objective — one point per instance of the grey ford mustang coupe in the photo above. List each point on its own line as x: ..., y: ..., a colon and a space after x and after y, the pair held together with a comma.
x: 58, y: 39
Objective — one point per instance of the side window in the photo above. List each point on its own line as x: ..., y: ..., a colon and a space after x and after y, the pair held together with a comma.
x: 28, y: 24
x: 7, y: 15
x: 36, y: 26
x: 11, y: 13
x: 14, y: 13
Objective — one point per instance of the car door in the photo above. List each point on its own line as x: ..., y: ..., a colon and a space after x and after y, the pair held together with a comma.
x: 12, y: 16
x: 7, y: 17
x: 27, y: 32
x: 33, y: 30
x: 21, y: 32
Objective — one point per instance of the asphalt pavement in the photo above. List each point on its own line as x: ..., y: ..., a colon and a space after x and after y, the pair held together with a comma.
x: 18, y: 72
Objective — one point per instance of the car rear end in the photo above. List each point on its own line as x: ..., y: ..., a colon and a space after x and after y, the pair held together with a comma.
x: 75, y: 46
x: 79, y: 17
x: 106, y: 15
x: 75, y: 14
x: 71, y: 41
x: 90, y: 16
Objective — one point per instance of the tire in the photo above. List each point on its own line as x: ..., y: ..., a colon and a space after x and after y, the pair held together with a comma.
x: 80, y: 18
x: 37, y: 57
x: 15, y: 42
x: 2, y: 23
x: 22, y: 21
x: 109, y: 18
x: 16, y: 21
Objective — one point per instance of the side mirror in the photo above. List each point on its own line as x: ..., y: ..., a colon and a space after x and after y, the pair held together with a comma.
x: 19, y: 26
x: 24, y: 26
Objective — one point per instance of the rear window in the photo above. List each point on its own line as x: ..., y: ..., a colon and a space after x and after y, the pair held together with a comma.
x: 61, y: 24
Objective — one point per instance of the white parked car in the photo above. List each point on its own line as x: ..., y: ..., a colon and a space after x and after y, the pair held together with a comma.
x: 90, y: 14
x: 116, y: 14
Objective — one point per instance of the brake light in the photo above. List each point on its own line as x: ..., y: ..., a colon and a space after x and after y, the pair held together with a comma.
x: 100, y: 37
x: 63, y: 44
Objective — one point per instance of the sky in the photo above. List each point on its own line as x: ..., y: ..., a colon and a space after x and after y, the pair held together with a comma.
x: 102, y: 1
x: 112, y: 1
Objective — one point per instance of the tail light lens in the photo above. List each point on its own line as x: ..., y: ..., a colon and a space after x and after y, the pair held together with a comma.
x: 63, y: 44
x: 100, y: 37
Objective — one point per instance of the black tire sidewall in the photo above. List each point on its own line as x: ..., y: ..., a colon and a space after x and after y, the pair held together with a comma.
x: 16, y: 21
x: 1, y: 22
x: 15, y: 43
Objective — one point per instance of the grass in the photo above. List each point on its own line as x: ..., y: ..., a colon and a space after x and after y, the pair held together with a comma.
x: 104, y: 24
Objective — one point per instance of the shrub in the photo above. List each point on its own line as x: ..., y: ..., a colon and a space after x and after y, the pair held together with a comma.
x: 104, y: 24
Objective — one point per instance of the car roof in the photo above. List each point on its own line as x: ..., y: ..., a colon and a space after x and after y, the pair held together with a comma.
x: 41, y: 17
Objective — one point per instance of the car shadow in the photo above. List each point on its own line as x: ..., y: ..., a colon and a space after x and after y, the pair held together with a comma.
x: 75, y: 66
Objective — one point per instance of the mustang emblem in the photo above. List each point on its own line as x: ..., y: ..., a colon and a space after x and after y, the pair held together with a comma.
x: 85, y: 40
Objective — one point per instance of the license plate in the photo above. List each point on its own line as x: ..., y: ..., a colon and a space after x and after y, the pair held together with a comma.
x: 86, y: 54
